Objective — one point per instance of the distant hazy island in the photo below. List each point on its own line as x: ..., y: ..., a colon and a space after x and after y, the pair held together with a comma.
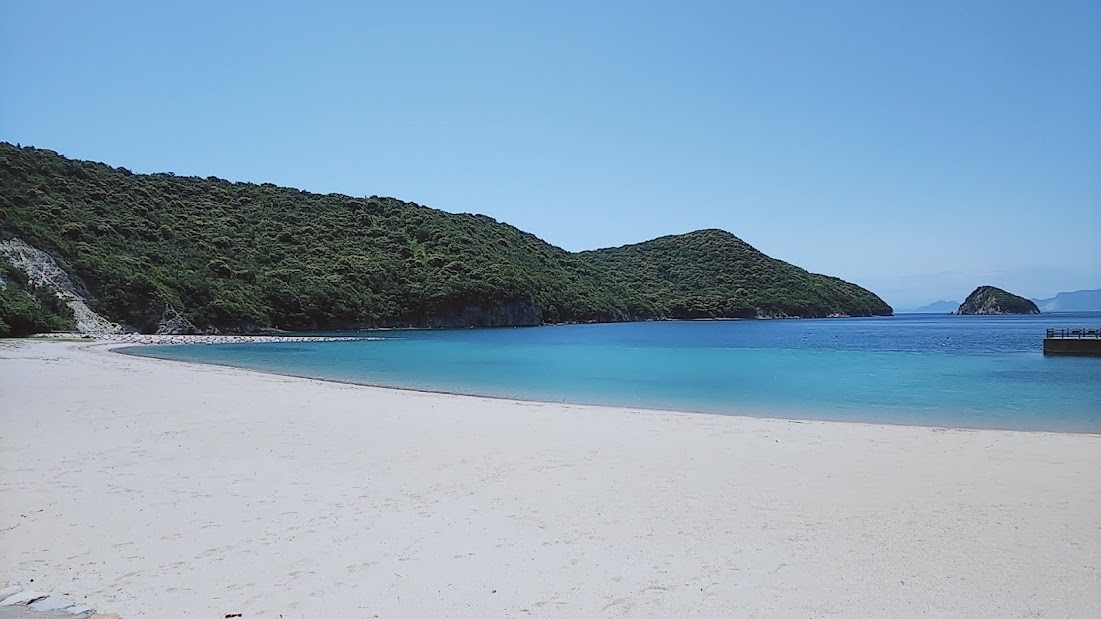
x: 184, y: 254
x: 987, y: 300
x: 936, y: 307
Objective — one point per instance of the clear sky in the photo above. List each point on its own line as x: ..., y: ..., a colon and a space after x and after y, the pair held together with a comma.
x: 916, y: 148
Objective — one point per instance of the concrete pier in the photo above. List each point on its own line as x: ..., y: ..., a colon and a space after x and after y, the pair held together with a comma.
x: 1073, y: 342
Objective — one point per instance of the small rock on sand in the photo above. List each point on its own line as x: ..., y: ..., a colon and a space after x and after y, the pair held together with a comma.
x: 51, y: 603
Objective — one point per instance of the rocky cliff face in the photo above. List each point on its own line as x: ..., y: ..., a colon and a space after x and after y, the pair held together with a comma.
x: 42, y: 270
x: 988, y: 300
x: 516, y: 314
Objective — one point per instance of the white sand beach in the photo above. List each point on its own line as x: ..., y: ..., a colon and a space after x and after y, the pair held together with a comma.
x: 160, y: 489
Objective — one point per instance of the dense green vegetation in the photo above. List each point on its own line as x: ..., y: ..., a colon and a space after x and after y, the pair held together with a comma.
x: 25, y: 309
x: 712, y: 273
x: 241, y: 255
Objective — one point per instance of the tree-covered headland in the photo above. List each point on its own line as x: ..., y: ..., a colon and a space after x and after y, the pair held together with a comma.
x: 240, y: 256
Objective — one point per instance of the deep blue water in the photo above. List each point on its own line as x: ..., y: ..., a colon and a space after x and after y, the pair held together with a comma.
x: 926, y: 369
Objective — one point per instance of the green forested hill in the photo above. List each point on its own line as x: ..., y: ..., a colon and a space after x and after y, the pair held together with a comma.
x: 241, y: 255
x: 714, y: 273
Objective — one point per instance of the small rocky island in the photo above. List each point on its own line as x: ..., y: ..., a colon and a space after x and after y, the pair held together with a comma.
x: 988, y: 300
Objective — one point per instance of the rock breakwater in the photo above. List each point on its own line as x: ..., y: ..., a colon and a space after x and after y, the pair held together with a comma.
x: 160, y: 340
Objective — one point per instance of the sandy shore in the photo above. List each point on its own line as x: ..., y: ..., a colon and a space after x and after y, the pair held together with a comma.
x: 159, y: 489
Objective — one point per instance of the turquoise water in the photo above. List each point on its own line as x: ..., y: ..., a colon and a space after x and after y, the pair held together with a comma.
x: 959, y: 371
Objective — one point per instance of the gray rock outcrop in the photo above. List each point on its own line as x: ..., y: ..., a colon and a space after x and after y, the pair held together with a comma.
x: 173, y: 323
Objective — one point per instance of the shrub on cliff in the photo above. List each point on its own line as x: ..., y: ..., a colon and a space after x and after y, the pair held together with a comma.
x: 21, y: 314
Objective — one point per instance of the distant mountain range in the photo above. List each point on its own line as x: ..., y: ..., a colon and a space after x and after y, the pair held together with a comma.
x: 1076, y: 301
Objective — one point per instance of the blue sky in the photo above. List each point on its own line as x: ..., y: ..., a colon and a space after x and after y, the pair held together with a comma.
x: 917, y: 148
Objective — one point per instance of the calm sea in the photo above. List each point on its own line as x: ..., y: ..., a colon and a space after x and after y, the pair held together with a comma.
x: 958, y: 371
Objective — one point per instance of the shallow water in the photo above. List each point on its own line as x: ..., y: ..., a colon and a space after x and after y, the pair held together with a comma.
x: 958, y: 371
